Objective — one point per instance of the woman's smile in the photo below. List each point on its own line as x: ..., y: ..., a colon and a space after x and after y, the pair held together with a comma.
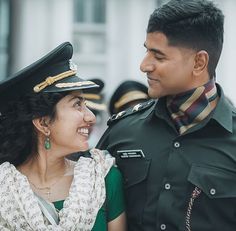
x: 83, y: 131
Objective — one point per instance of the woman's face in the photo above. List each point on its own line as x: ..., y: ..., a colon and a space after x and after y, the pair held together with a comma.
x: 69, y: 131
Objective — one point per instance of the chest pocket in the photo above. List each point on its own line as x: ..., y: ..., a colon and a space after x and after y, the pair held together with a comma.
x: 215, y: 207
x: 135, y: 172
x: 213, y: 181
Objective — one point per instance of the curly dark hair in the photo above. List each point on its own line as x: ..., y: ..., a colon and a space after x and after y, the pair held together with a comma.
x: 17, y: 133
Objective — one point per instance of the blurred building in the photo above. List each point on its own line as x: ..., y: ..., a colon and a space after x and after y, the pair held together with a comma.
x: 4, y: 37
x: 107, y: 35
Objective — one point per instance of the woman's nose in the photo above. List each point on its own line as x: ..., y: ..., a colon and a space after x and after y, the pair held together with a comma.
x: 89, y: 117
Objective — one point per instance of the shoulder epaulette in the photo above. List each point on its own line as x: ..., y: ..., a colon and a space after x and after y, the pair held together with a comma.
x: 137, y: 108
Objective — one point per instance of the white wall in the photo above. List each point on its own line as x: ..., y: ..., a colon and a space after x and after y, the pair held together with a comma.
x: 226, y: 74
x: 126, y: 31
x: 4, y: 33
x: 37, y: 27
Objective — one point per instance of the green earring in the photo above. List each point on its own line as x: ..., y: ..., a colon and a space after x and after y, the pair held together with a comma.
x: 47, y: 143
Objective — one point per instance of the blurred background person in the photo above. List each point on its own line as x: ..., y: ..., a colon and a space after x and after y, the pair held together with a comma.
x: 127, y: 94
x: 94, y: 99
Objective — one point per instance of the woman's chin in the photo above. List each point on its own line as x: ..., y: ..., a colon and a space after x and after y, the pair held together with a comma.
x: 84, y: 147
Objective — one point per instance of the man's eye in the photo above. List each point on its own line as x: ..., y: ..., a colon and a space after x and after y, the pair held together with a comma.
x: 159, y: 58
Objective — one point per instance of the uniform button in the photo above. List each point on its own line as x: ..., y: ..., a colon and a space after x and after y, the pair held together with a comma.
x: 167, y: 186
x: 163, y: 227
x: 212, y: 191
x: 176, y: 144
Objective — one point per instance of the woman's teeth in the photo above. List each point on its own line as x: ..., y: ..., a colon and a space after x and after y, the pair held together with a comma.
x: 84, y: 131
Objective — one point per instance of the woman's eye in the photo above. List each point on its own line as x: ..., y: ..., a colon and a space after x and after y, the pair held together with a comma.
x: 78, y: 103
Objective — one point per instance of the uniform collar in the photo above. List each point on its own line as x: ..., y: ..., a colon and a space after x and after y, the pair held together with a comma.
x: 149, y: 110
x: 162, y: 112
x: 223, y: 113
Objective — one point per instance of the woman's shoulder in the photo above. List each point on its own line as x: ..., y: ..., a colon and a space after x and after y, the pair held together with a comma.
x: 113, y: 180
x: 115, y: 198
x: 113, y: 175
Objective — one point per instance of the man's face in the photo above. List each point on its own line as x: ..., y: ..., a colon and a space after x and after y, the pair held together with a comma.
x: 169, y: 69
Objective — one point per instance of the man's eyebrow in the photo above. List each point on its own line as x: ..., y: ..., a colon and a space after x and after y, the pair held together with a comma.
x: 157, y: 51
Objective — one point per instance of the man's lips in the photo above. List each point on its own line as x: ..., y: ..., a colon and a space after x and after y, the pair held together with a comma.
x: 152, y: 79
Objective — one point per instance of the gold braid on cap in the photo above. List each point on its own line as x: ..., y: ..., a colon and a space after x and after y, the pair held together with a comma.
x: 95, y: 106
x: 91, y: 96
x: 52, y: 79
x: 130, y: 96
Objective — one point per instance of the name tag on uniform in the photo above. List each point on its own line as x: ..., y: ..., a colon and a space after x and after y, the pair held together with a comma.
x: 124, y: 154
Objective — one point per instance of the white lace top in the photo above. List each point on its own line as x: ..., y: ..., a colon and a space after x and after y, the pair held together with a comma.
x: 19, y: 209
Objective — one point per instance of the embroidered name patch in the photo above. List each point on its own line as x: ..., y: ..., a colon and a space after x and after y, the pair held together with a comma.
x: 124, y: 154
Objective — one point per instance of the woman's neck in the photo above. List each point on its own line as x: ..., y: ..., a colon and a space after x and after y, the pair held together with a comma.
x: 44, y: 170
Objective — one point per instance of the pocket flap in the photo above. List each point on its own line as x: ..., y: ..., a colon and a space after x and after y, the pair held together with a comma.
x: 134, y: 171
x: 215, y: 182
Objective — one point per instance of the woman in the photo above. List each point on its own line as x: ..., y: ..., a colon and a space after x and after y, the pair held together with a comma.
x: 43, y: 118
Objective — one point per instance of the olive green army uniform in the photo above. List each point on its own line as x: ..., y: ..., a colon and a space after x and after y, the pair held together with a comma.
x: 176, y: 182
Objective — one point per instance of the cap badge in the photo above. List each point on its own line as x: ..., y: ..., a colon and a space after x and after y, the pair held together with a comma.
x: 73, y: 66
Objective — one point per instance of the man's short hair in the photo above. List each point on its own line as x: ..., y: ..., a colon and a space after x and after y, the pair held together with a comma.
x: 194, y: 24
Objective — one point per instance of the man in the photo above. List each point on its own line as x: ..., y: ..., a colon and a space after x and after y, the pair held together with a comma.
x: 178, y: 154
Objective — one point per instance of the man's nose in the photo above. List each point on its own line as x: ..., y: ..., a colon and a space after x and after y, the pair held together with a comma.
x: 146, y: 64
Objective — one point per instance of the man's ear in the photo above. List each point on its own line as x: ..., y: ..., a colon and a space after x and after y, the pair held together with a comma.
x: 41, y: 124
x: 201, y: 62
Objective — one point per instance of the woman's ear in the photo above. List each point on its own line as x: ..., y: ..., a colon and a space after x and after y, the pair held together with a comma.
x: 41, y: 124
x: 201, y: 62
